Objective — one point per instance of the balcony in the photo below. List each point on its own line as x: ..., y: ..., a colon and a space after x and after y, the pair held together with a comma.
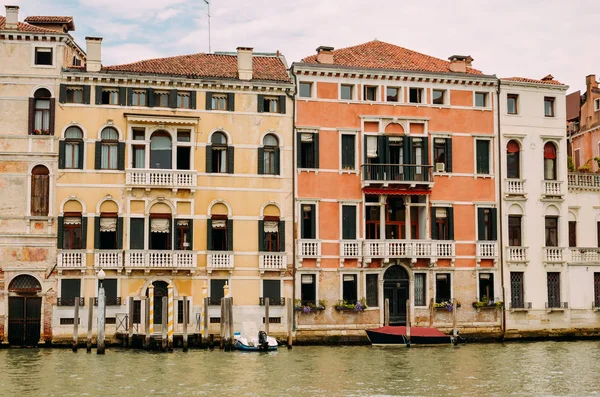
x: 409, y: 249
x: 583, y: 181
x: 520, y: 306
x: 219, y: 260
x: 71, y: 260
x: 585, y: 255
x: 69, y: 301
x: 272, y: 301
x: 515, y: 187
x: 110, y: 301
x: 166, y: 179
x: 552, y: 189
x: 406, y: 174
x: 276, y: 261
x: 517, y: 255
x: 557, y: 306
x: 160, y: 260
x: 308, y: 249
x: 108, y: 259
x: 487, y: 250
x: 350, y: 249
x: 553, y: 255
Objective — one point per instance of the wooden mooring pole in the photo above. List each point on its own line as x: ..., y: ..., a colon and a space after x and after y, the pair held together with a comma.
x: 222, y: 324
x: 130, y: 322
x: 185, y: 323
x: 290, y: 321
x: 267, y: 315
x: 407, y: 323
x: 164, y: 326
x: 88, y: 344
x: 230, y: 323
x: 454, y: 330
x: 100, y: 346
x: 205, y: 322
x: 147, y: 322
x: 76, y: 325
x: 386, y: 313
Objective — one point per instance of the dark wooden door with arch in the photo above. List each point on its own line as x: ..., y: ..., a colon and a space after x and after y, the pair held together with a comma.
x: 24, y: 311
x: 396, y: 289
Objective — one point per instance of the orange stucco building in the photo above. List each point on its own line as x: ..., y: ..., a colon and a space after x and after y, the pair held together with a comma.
x: 396, y: 191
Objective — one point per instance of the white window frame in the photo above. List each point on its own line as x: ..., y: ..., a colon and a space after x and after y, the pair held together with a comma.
x: 355, y: 273
x: 518, y: 100
x: 494, y: 275
x: 427, y: 298
x: 400, y: 93
x: 299, y: 283
x: 423, y: 94
x: 596, y: 104
x: 488, y: 100
x: 304, y: 202
x: 358, y: 217
x: 354, y: 92
x: 363, y: 281
x: 35, y: 46
x: 356, y: 153
x: 490, y: 206
x: 312, y: 89
x: 377, y: 92
x: 491, y: 157
x: 445, y: 97
x: 281, y: 285
x: 451, y: 274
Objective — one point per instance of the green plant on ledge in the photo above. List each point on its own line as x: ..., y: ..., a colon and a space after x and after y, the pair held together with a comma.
x: 486, y: 302
x: 359, y: 306
x: 446, y: 305
x: 570, y: 164
x: 309, y: 306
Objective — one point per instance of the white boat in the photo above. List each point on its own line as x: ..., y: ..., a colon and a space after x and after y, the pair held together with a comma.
x: 250, y: 339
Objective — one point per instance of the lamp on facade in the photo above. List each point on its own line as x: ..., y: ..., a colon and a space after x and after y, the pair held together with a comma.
x: 101, y: 276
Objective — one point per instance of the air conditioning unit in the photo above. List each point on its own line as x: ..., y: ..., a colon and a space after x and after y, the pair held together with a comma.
x: 440, y: 167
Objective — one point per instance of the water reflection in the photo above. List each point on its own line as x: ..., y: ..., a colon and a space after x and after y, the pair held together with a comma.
x: 543, y: 368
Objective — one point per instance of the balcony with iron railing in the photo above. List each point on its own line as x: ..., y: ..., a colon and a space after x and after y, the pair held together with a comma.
x: 408, y: 249
x: 520, y: 306
x: 158, y: 178
x: 556, y: 305
x: 515, y: 187
x: 148, y: 260
x: 70, y: 301
x: 71, y: 260
x: 584, y: 255
x: 219, y: 260
x: 583, y: 181
x: 552, y: 189
x: 486, y: 250
x: 553, y: 255
x: 407, y: 174
x: 272, y: 301
x: 308, y: 249
x: 108, y: 259
x: 517, y: 255
x: 110, y: 301
x: 276, y: 261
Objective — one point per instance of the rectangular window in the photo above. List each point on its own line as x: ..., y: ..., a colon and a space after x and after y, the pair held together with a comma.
x: 442, y: 154
x: 572, y: 234
x: 219, y: 102
x: 183, y: 100
x: 442, y: 287
x: 551, y: 225
x: 110, y: 96
x: 110, y: 291
x: 598, y: 234
x: 180, y: 311
x: 271, y: 104
x: 420, y: 289
x: 70, y: 289
x: 308, y: 150
x: 549, y: 106
x: 183, y: 234
x: 481, y: 99
x: 74, y: 95
x: 370, y: 93
x: 596, y: 105
x: 136, y: 233
x: 138, y: 159
x: 346, y: 91
x: 349, y: 222
x: 161, y: 99
x: 512, y: 103
x: 517, y: 300
x: 305, y: 90
x: 348, y: 152
x: 415, y: 95
x: 138, y: 98
x: 438, y: 97
x: 349, y: 288
x: 392, y: 94
x: 486, y: 287
x: 482, y: 147
x: 577, y: 158
x: 486, y: 224
x: 372, y: 290
x: 216, y: 291
x: 514, y: 231
x: 597, y: 290
x: 442, y: 223
x: 219, y: 233
x: 272, y: 290
x: 72, y: 232
x: 308, y: 221
x: 553, y: 289
x: 43, y: 56
x: 308, y: 289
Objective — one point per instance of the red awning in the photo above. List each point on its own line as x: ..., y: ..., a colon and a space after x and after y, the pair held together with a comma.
x: 397, y: 192
x: 512, y: 147
x: 549, y: 151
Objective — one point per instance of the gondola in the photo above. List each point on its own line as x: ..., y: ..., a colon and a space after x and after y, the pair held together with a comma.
x: 397, y: 335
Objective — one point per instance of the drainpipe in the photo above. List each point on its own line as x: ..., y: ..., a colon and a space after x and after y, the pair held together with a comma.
x: 294, y: 163
x: 500, y: 205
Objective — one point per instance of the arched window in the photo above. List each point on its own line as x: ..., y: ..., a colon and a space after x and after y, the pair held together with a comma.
x: 220, y: 229
x: 41, y: 113
x: 71, y: 149
x: 219, y: 156
x: 549, y: 161
x: 161, y: 151
x: 268, y: 156
x: 271, y: 231
x: 513, y: 168
x: 109, y: 149
x: 40, y: 190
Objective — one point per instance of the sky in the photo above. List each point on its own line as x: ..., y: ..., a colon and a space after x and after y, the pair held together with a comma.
x: 525, y: 38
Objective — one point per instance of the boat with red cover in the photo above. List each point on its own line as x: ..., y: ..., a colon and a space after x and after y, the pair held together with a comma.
x: 396, y: 335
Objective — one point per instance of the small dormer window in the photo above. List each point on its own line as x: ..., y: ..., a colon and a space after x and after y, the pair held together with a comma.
x: 43, y: 56
x: 74, y: 94
x: 110, y: 96
x: 596, y: 105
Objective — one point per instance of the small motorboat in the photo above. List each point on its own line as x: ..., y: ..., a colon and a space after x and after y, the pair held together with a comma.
x: 251, y: 339
x: 397, y: 335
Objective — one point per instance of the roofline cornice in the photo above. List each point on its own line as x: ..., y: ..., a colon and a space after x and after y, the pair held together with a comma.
x: 562, y: 87
x: 61, y: 37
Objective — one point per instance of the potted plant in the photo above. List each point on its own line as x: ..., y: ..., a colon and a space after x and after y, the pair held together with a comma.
x: 570, y: 164
x: 486, y: 303
x: 309, y: 307
x: 446, y: 305
x: 358, y: 307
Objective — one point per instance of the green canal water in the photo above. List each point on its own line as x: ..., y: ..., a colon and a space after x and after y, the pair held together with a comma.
x: 515, y: 369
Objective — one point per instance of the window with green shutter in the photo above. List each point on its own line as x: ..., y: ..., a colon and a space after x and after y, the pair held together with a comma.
x: 483, y: 156
x: 349, y: 222
x: 136, y: 233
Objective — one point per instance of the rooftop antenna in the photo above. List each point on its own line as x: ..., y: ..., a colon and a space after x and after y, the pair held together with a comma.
x: 208, y: 14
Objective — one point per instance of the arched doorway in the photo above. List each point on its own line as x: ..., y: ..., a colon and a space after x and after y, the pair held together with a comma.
x: 24, y: 311
x: 160, y: 290
x: 395, y: 288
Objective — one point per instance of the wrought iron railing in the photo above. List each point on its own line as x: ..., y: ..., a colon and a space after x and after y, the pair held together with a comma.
x: 69, y: 301
x: 272, y: 301
x: 397, y: 172
x: 110, y: 301
x: 520, y: 305
x: 556, y: 304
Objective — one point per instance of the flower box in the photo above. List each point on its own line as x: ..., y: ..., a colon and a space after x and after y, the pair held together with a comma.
x: 445, y: 305
x: 309, y: 307
x: 357, y: 307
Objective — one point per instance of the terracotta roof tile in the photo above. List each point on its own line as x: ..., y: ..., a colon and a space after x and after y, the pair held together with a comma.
x: 269, y: 68
x: 25, y: 27
x: 546, y: 80
x: 48, y: 19
x: 381, y: 55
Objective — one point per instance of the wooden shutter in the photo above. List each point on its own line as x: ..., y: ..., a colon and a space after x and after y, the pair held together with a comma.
x: 173, y: 99
x: 123, y: 96
x: 229, y: 234
x: 483, y: 156
x: 61, y: 154
x: 191, y: 226
x: 84, y: 224
x: 60, y: 225
x: 62, y: 93
x: 230, y: 159
x: 282, y: 104
x: 51, y: 122
x: 298, y: 150
x: 450, y: 220
x: 209, y: 159
x: 480, y: 224
x: 277, y: 161
x: 31, y: 126
x: 209, y: 239
x: 434, y: 232
x: 282, y: 236
x: 136, y: 233
x: 382, y: 149
x: 120, y: 233
x: 598, y: 233
x: 349, y: 222
x: 97, y: 232
x: 261, y: 161
x: 448, y: 154
x: 129, y: 96
x: 150, y: 97
x: 494, y: 223
x: 98, y: 95
x: 316, y: 149
x: 261, y: 236
x: 231, y: 101
x: 209, y: 100
x: 98, y: 156
x: 81, y: 147
x: 313, y: 221
x: 260, y: 108
x: 192, y: 99
x: 121, y: 156
x: 86, y: 94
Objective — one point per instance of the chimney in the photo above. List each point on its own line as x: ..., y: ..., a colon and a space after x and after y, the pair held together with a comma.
x: 244, y: 60
x: 325, y: 55
x: 590, y: 82
x: 12, y: 17
x: 460, y: 63
x: 94, y: 54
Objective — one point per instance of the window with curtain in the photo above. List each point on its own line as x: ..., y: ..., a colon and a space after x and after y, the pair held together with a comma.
x: 110, y: 148
x: 549, y: 161
x: 219, y: 152
x: 73, y: 144
x: 271, y: 234
x: 40, y: 190
x: 161, y: 151
x: 107, y: 231
x: 72, y: 232
x: 42, y: 112
x: 512, y: 160
x: 551, y: 225
x: 271, y: 146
